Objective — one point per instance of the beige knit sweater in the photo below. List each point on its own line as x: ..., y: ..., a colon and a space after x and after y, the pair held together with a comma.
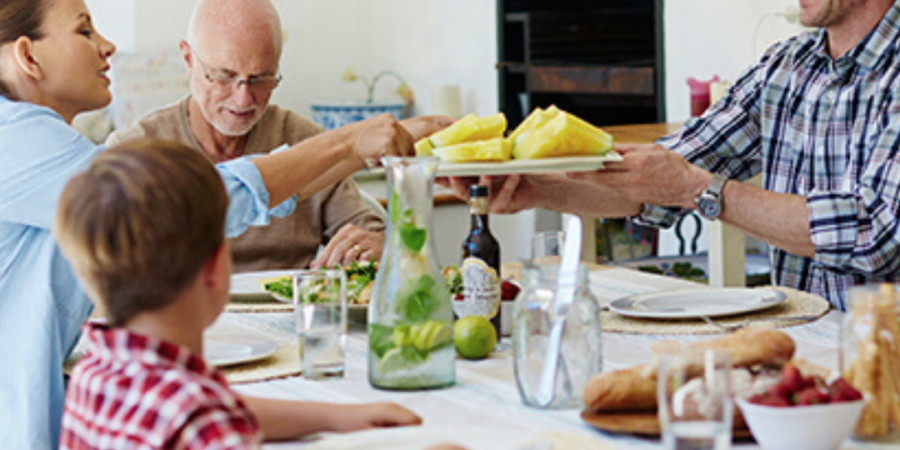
x: 289, y: 242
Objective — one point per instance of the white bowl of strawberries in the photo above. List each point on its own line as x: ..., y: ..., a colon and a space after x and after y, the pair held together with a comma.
x: 802, y: 412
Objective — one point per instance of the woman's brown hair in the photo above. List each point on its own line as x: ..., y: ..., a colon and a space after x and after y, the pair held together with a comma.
x: 20, y: 18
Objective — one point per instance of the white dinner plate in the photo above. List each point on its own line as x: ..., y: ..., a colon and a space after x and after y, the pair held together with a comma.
x: 545, y: 165
x: 355, y: 313
x: 226, y: 353
x: 695, y: 303
x: 245, y: 286
x: 418, y: 438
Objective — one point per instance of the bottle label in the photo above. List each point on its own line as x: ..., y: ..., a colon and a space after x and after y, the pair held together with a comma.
x: 481, y: 290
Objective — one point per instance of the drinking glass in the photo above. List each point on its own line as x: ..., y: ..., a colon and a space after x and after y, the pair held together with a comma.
x: 547, y: 246
x: 320, y: 307
x: 694, y: 394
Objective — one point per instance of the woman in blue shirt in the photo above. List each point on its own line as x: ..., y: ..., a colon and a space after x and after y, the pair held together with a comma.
x: 53, y: 66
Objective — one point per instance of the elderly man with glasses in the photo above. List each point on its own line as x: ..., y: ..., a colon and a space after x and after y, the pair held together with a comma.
x: 232, y: 54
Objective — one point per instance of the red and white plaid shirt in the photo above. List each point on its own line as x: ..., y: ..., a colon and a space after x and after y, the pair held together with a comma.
x: 137, y: 392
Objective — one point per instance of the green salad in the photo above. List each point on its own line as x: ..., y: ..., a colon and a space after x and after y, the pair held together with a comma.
x: 360, y: 280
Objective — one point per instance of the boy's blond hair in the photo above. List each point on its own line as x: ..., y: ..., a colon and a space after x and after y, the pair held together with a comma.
x: 139, y: 224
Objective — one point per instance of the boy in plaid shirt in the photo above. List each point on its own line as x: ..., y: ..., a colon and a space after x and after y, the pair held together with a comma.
x: 144, y: 230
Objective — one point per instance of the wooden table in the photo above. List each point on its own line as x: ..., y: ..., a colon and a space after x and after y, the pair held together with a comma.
x: 644, y: 133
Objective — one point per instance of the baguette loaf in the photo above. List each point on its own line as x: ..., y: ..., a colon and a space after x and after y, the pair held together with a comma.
x: 622, y: 390
x: 635, y: 388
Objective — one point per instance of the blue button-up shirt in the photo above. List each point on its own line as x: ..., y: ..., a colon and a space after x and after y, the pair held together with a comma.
x: 825, y: 129
x: 41, y: 304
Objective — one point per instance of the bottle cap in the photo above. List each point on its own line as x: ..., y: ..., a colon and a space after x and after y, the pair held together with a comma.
x: 478, y: 190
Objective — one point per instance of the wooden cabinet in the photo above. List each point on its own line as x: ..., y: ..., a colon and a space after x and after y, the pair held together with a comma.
x: 600, y: 59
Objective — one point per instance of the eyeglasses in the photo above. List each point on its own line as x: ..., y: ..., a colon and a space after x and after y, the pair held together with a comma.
x: 225, y: 82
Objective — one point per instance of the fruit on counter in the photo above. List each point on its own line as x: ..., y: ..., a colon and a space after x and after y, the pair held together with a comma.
x: 496, y: 149
x: 553, y: 133
x: 795, y: 389
x: 474, y: 336
x: 470, y: 128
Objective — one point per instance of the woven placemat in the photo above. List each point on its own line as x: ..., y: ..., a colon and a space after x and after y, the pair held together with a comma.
x: 258, y: 305
x: 803, y: 305
x: 285, y: 362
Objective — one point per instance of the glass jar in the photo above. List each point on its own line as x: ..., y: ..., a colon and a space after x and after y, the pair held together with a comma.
x: 581, y: 352
x: 870, y: 358
x: 410, y: 314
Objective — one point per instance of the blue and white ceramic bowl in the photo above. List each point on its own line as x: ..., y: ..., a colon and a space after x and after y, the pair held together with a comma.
x: 331, y: 115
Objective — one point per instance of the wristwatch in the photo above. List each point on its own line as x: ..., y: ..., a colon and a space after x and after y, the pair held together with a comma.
x: 709, y: 203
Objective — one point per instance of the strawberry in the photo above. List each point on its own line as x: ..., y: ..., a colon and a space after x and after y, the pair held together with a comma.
x: 780, y: 391
x: 458, y: 297
x: 769, y: 400
x: 842, y: 391
x: 508, y: 291
x: 792, y: 379
x: 810, y: 396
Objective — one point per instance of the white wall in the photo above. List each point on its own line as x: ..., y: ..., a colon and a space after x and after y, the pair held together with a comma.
x: 441, y: 42
x: 323, y: 38
x: 717, y: 37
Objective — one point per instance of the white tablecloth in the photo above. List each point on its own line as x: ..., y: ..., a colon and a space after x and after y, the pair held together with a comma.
x: 485, y: 394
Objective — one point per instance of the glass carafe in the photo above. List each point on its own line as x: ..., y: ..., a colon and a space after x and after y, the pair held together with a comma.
x: 410, y: 314
x: 870, y: 358
x: 581, y: 354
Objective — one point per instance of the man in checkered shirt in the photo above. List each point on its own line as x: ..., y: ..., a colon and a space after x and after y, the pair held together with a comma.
x: 818, y: 116
x: 144, y: 227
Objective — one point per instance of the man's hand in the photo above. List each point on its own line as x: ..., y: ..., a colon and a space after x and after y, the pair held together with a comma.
x: 373, y: 415
x: 507, y: 194
x: 424, y: 126
x: 351, y: 243
x: 377, y: 137
x: 651, y: 174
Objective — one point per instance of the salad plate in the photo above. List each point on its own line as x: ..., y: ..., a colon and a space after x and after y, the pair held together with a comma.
x: 246, y: 286
x: 697, y: 303
x: 227, y: 353
x: 544, y: 165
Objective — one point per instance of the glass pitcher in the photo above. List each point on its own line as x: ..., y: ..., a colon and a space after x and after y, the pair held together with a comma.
x: 581, y: 354
x: 410, y: 313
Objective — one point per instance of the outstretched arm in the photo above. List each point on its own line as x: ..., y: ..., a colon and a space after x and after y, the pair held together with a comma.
x: 654, y: 175
x: 556, y: 192
x: 315, y: 163
x: 285, y: 419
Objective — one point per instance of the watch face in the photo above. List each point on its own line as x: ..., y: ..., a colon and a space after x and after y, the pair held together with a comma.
x: 708, y: 207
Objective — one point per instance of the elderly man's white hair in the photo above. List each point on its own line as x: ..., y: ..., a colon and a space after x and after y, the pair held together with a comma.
x: 253, y: 16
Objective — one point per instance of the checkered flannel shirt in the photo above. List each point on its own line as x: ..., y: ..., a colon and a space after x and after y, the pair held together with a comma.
x: 136, y: 392
x: 823, y: 129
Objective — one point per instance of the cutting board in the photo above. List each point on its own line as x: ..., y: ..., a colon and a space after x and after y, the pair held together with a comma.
x: 643, y: 423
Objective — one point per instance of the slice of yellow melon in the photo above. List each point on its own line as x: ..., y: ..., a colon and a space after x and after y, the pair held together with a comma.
x: 562, y: 135
x: 469, y: 129
x: 496, y: 149
x: 538, y: 118
x: 424, y: 147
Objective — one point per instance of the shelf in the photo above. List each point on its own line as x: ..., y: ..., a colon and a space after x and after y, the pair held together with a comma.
x: 617, y: 80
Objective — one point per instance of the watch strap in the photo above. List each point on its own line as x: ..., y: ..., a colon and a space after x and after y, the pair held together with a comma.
x: 717, y: 185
